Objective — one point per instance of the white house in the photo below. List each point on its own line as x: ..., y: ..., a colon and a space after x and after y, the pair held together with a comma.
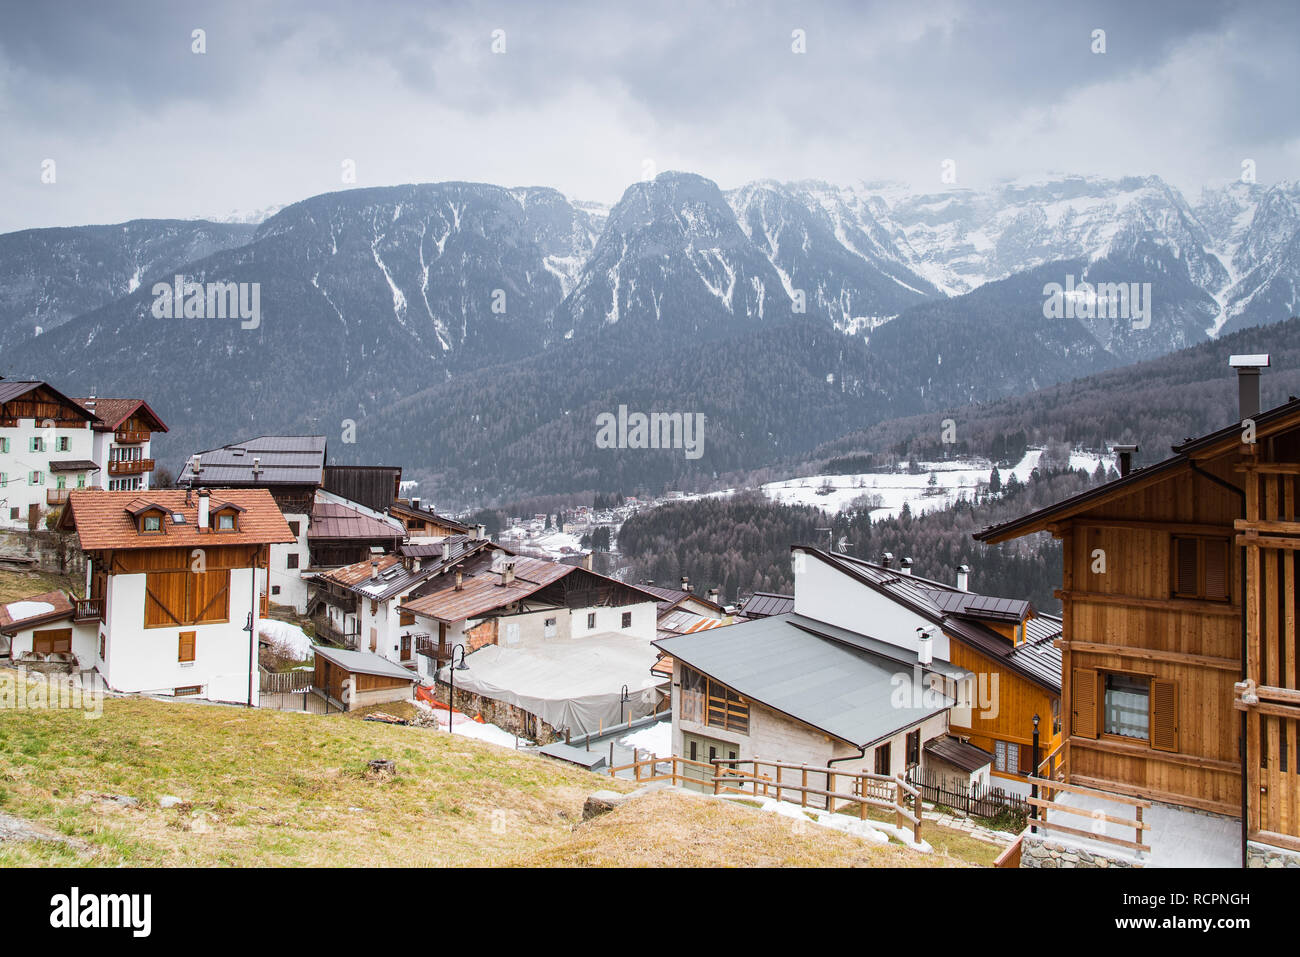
x: 122, y: 435
x: 48, y: 628
x: 174, y: 579
x: 46, y: 449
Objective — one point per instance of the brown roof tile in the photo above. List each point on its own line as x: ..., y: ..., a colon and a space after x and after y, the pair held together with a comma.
x: 102, y: 519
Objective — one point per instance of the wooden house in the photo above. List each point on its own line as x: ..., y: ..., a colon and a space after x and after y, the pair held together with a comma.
x: 1179, y: 632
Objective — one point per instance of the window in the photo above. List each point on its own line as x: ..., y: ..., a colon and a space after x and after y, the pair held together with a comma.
x: 591, y: 619
x: 226, y: 522
x: 81, y: 480
x: 913, y: 748
x: 1127, y: 706
x: 61, y: 481
x: 35, y: 478
x: 151, y: 523
x: 275, y: 589
x: 4, y: 446
x: 103, y: 646
x: 4, y: 479
x: 63, y: 443
x: 291, y: 560
x: 1056, y: 716
x: 187, y: 642
x: 405, y: 617
x: 187, y: 691
x: 884, y: 759
x: 293, y: 527
x: 627, y: 619
x: 1200, y: 568
x: 13, y: 514
x: 1006, y: 757
x: 37, y: 444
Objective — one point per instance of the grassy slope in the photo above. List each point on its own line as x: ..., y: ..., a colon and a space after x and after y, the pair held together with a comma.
x: 16, y: 585
x: 271, y: 788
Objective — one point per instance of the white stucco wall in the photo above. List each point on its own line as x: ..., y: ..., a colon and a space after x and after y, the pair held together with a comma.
x: 293, y: 590
x: 19, y: 462
x: 140, y: 659
x: 826, y: 594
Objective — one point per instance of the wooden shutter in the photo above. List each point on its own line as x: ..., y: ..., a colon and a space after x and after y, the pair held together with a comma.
x: 1083, y: 701
x: 1185, y: 567
x: 210, y: 596
x: 1164, y: 715
x: 1216, y: 569
x: 185, y: 651
x: 164, y: 599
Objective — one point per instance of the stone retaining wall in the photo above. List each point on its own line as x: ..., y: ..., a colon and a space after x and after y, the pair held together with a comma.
x: 1035, y: 851
x: 1266, y: 855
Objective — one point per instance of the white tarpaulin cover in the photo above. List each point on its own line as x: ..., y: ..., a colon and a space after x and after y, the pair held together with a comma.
x: 573, y: 683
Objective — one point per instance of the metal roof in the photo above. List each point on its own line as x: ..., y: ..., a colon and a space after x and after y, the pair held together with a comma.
x: 282, y: 460
x: 364, y: 663
x: 842, y: 691
x: 761, y: 604
x: 958, y: 753
x: 980, y: 606
x: 332, y: 521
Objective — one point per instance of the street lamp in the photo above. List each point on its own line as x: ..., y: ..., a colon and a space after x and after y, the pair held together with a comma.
x: 1033, y: 773
x: 623, y: 699
x: 452, y: 668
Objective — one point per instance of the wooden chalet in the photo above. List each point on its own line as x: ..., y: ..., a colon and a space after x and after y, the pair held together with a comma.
x: 1179, y: 632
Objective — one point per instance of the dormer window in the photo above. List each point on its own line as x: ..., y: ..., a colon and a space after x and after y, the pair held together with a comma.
x: 151, y: 523
x: 225, y: 520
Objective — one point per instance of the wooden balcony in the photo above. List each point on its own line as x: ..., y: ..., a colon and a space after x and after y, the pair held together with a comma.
x: 89, y: 609
x: 131, y: 438
x: 138, y: 467
x: 56, y: 496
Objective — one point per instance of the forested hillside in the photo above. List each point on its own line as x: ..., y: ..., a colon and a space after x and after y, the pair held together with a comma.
x: 742, y: 544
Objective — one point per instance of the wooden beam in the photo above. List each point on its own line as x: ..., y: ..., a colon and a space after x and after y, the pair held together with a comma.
x: 1188, y: 605
x: 1154, y: 654
x: 1231, y: 810
x: 1164, y: 757
x: 1173, y: 528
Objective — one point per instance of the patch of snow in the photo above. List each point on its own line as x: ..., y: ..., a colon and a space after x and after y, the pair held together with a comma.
x: 284, y: 633
x: 656, y: 738
x: 28, y: 609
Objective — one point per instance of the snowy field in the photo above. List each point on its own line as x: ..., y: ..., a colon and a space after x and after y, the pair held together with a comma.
x: 282, y: 632
x: 952, y: 480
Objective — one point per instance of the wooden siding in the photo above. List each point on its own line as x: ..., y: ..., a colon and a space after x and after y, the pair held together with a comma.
x: 1018, y: 700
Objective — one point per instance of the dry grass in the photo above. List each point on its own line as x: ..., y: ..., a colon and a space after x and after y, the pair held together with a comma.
x: 277, y: 788
x: 679, y: 829
x: 15, y: 585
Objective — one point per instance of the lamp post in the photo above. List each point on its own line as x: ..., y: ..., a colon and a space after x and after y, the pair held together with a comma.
x: 623, y: 699
x: 452, y: 668
x: 1033, y: 773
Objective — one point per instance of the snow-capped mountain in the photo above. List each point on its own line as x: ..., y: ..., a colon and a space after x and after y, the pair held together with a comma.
x: 1261, y: 248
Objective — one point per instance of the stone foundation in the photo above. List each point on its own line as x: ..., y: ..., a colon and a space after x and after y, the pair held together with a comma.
x: 506, y: 716
x: 1266, y: 855
x: 1035, y: 851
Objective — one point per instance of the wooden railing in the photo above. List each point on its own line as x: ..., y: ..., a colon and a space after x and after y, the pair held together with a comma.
x: 285, y: 682
x: 56, y: 496
x: 724, y: 775
x: 89, y: 609
x: 1053, y: 766
x: 130, y: 467
x: 130, y: 438
x: 1046, y: 802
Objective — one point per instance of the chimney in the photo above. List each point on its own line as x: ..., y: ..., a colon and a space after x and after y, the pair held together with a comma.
x: 886, y: 559
x: 1125, y: 458
x: 203, y: 508
x: 1248, y: 368
x: 415, y: 504
x: 905, y: 567
x: 195, y: 468
x: 963, y: 578
x: 446, y: 550
x: 374, y: 570
x: 460, y: 579
x: 587, y: 561
x: 480, y: 532
x: 686, y: 583
x: 257, y: 466
x: 713, y: 595
x: 508, y: 573
x: 924, y: 650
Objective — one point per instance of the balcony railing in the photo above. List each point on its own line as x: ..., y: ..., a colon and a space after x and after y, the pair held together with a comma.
x: 135, y: 467
x: 56, y: 496
x: 130, y: 438
x: 89, y: 609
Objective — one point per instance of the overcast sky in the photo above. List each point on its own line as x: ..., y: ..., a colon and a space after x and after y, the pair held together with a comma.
x: 589, y: 97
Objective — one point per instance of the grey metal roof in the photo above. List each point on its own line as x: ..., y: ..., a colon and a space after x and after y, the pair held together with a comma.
x: 958, y: 753
x: 845, y: 692
x: 875, y: 646
x: 980, y: 606
x: 283, y: 460
x: 762, y: 604
x: 364, y: 663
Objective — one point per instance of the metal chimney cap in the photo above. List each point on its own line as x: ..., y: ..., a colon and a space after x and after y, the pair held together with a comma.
x: 1124, y: 448
x: 1257, y: 361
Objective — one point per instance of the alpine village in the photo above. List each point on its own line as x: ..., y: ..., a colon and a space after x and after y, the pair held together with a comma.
x: 1153, y: 723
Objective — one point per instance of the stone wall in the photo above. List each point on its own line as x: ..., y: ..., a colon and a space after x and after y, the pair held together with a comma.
x: 1038, y: 852
x: 504, y: 715
x: 1267, y: 855
x: 54, y: 551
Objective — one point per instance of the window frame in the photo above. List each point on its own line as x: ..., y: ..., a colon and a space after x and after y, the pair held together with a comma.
x: 1201, y: 591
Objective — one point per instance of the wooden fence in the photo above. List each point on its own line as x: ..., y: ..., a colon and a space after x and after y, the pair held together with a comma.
x: 842, y: 789
x: 285, y: 682
x: 1049, y: 801
x: 977, y: 800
